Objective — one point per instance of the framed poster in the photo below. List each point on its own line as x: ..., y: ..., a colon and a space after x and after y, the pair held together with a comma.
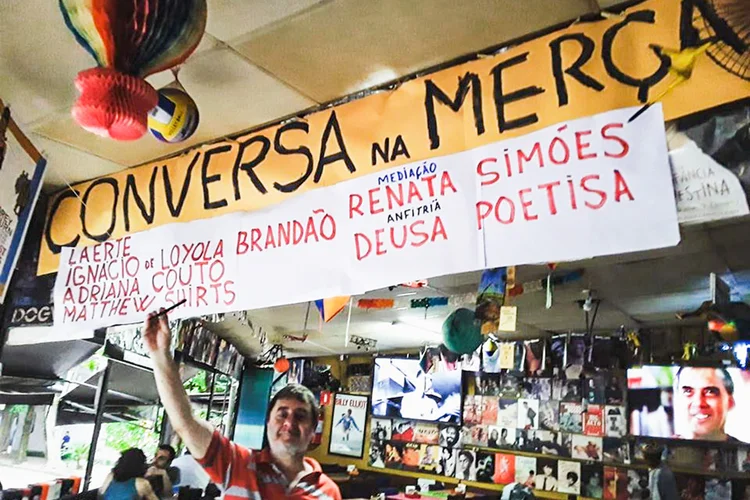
x: 348, y: 425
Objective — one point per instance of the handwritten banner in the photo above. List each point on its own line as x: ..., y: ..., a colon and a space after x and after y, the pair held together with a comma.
x: 580, y: 71
x: 567, y: 192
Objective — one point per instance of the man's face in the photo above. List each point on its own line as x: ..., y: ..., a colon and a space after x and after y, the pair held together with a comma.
x: 290, y: 428
x: 464, y: 463
x: 703, y: 401
x: 162, y: 459
x: 547, y: 470
x: 451, y: 434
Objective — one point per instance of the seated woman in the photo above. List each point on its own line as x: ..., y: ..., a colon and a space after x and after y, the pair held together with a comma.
x: 126, y: 481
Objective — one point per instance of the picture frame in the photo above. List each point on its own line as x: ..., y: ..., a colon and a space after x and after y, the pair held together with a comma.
x: 348, y: 424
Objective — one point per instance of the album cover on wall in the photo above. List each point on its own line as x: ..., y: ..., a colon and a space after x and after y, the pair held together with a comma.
x: 479, y: 435
x: 743, y: 459
x: 549, y: 415
x: 718, y: 489
x: 536, y: 357
x: 393, y: 453
x: 691, y: 486
x: 426, y: 433
x: 637, y: 484
x: 410, y: 456
x: 555, y: 443
x: 587, y: 447
x: 450, y: 436
x: 616, y: 450
x: 490, y: 384
x: 466, y: 467
x: 507, y: 413
x: 500, y: 437
x: 617, y: 486
x: 402, y: 430
x: 485, y: 467
x: 711, y: 460
x: 593, y: 423
x: 546, y: 476
x: 595, y: 386
x: 571, y: 417
x: 466, y: 439
x: 489, y: 409
x: 528, y: 414
x: 380, y: 429
x: 376, y: 457
x: 569, y: 477
x: 571, y: 391
x: 558, y: 388
x: 472, y: 412
x: 615, y: 390
x: 447, y: 462
x: 511, y: 386
x: 615, y: 421
x: 429, y: 458
x: 505, y: 468
x: 558, y: 352
x: 592, y: 481
x: 519, y: 356
x: 526, y: 471
x: 537, y: 388
x: 576, y: 350
x: 534, y: 440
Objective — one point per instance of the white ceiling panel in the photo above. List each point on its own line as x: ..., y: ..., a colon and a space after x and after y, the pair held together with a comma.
x: 348, y: 45
x: 39, y: 59
x: 66, y: 165
x: 229, y: 19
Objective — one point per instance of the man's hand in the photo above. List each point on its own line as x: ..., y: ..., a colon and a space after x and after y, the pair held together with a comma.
x: 158, y: 341
x: 156, y: 334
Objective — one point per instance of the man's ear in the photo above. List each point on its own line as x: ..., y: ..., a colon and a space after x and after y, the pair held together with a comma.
x: 731, y: 402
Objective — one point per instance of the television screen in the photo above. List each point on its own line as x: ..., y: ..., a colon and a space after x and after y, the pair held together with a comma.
x: 695, y: 403
x: 403, y: 388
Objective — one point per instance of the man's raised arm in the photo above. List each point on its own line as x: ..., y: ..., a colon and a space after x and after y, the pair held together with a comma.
x: 195, y: 433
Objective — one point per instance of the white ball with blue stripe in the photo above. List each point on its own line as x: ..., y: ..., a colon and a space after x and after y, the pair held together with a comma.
x: 175, y: 117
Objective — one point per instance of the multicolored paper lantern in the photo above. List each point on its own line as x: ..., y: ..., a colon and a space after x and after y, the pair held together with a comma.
x: 129, y: 40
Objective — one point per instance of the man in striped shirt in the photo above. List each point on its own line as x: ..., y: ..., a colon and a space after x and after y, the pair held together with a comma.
x: 277, y: 472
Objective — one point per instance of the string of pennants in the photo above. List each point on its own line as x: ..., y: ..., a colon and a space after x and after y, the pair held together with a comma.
x: 458, y: 300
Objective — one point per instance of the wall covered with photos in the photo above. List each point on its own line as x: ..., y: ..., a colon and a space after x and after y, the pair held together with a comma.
x: 552, y: 414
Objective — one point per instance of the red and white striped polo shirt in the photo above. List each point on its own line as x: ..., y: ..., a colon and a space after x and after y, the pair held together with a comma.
x: 246, y: 474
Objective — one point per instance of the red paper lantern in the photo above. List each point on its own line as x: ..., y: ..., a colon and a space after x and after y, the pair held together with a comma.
x: 281, y: 365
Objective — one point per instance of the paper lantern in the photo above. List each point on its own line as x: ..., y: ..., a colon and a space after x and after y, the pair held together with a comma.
x: 461, y: 332
x: 175, y: 117
x: 129, y: 40
x: 281, y: 365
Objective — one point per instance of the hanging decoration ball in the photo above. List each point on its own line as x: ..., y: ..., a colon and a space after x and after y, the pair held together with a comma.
x: 461, y: 332
x: 281, y: 365
x: 175, y: 117
x: 129, y: 41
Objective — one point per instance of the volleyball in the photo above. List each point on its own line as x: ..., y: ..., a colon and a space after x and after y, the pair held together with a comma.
x: 175, y: 117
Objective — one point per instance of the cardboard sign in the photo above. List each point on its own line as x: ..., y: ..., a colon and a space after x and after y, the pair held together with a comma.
x: 705, y: 191
x: 421, y: 220
x: 585, y: 69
